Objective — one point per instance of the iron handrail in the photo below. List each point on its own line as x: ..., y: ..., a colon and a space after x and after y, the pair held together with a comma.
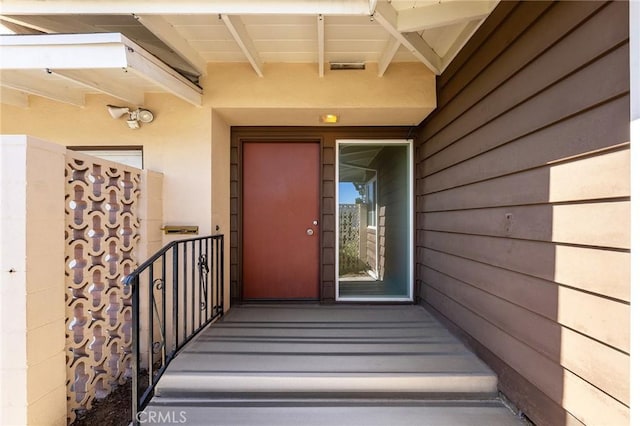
x: 196, y: 273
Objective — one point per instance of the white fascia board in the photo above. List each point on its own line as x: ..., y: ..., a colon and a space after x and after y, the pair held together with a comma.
x: 170, y: 36
x: 68, y: 51
x: 54, y: 39
x: 93, y: 51
x: 387, y: 16
x: 442, y: 14
x: 149, y: 67
x: 172, y: 7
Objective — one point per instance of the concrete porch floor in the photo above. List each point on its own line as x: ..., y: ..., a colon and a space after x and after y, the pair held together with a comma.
x: 339, y: 365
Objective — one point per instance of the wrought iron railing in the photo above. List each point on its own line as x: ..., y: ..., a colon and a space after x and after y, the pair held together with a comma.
x: 174, y: 295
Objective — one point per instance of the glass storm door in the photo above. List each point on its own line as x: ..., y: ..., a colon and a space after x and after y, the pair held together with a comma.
x: 374, y: 220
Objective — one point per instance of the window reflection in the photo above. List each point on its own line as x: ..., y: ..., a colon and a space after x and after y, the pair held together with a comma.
x: 374, y: 255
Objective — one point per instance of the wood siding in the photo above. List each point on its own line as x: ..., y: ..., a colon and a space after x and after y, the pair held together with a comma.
x: 522, y: 210
x: 393, y: 223
x: 327, y: 137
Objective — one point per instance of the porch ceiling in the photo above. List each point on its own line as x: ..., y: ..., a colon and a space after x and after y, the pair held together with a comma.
x: 190, y: 34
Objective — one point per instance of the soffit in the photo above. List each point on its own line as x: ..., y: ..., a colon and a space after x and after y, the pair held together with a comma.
x: 65, y: 67
x: 187, y: 35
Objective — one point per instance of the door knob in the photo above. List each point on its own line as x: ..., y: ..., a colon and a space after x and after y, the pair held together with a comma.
x: 309, y: 231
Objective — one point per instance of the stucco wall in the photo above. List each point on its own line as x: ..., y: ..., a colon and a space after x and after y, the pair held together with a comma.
x: 220, y: 190
x: 188, y: 145
x: 294, y: 95
x: 178, y: 144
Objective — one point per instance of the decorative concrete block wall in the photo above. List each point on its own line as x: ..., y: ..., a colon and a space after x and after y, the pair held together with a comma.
x: 102, y: 233
x: 72, y: 227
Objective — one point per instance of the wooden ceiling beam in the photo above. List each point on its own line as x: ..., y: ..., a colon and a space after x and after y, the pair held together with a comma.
x: 43, y: 87
x: 87, y: 79
x: 321, y: 45
x: 442, y: 14
x: 387, y: 16
x: 387, y: 55
x: 241, y: 36
x: 14, y: 97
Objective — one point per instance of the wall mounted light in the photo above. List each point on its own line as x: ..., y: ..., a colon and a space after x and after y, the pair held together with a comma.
x: 329, y: 118
x: 135, y: 117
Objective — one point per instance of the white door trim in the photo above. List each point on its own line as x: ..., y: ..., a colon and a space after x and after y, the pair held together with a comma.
x: 410, y: 261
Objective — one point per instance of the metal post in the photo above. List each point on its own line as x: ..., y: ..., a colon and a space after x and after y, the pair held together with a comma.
x: 175, y: 297
x: 135, y: 349
x: 222, y: 275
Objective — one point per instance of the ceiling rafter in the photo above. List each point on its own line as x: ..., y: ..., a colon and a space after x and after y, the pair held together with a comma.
x: 241, y: 36
x: 14, y: 97
x: 442, y: 14
x: 387, y: 55
x: 387, y: 16
x: 321, y: 45
x: 42, y: 88
x: 459, y: 42
x: 115, y: 90
x: 170, y: 36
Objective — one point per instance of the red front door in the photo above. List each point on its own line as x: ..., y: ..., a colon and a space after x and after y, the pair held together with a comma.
x: 280, y: 211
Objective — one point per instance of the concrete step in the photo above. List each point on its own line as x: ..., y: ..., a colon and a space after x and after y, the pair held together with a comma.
x: 238, y: 347
x: 288, y: 350
x: 450, y: 363
x: 278, y: 385
x: 323, y: 313
x: 329, y: 412
x: 329, y: 365
x: 295, y: 331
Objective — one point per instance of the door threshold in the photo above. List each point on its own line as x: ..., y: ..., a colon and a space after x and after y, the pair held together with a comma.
x: 278, y: 301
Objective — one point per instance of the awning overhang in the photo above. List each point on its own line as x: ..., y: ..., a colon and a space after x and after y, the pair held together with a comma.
x: 65, y: 67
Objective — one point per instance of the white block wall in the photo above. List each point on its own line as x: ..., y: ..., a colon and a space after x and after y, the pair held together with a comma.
x: 32, y: 307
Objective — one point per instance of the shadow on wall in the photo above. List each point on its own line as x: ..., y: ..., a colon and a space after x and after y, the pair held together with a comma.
x: 523, y: 206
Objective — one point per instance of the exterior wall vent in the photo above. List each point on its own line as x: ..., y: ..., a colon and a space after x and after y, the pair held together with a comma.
x: 347, y: 65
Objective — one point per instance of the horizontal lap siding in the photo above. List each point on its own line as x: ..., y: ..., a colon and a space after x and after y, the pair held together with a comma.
x: 522, y: 210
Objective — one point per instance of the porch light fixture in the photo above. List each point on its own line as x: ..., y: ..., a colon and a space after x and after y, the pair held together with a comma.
x: 135, y: 117
x: 329, y: 118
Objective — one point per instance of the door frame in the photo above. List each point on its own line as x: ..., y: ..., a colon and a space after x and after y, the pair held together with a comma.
x: 410, y: 214
x: 240, y: 216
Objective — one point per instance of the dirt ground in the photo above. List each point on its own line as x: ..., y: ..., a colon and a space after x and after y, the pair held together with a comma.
x: 114, y: 410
